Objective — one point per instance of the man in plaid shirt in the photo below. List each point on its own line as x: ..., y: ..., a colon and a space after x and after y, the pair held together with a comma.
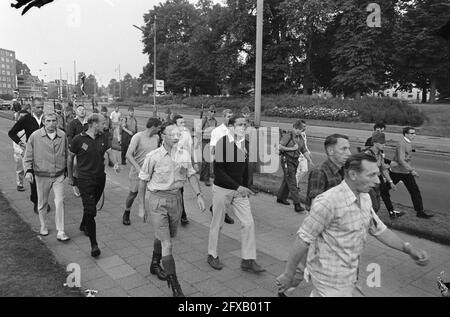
x: 331, y: 239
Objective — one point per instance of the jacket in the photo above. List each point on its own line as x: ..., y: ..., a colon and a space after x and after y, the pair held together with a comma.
x: 27, y: 123
x: 44, y: 156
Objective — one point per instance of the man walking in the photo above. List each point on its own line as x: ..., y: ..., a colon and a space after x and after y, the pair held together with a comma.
x: 116, y: 118
x: 331, y: 239
x: 378, y: 142
x: 129, y: 128
x: 18, y: 155
x: 292, y: 145
x: 89, y: 149
x: 29, y: 123
x: 406, y: 173
x: 61, y: 122
x: 164, y: 178
x: 329, y: 173
x: 252, y: 166
x: 209, y: 123
x: 45, y: 164
x: 141, y: 144
x: 230, y: 191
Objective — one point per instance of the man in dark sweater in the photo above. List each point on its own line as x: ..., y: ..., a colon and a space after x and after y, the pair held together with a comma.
x: 29, y: 123
x: 230, y: 190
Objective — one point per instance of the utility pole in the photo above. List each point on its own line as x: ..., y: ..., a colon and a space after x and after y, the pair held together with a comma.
x: 74, y: 76
x: 60, y: 84
x: 120, y: 84
x: 154, y: 66
x: 258, y: 68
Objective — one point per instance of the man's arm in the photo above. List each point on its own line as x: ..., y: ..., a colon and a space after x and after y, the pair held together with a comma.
x: 28, y: 158
x: 401, y: 151
x: 130, y: 152
x: 70, y: 160
x: 316, y: 183
x: 17, y: 127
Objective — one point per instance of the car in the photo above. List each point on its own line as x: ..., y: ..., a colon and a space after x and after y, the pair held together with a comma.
x: 5, y: 105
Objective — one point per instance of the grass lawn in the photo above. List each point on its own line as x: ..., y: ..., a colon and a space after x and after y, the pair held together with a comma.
x: 27, y: 267
x: 436, y: 229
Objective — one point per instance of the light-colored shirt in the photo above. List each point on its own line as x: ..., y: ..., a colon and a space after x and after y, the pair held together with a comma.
x: 140, y: 145
x: 162, y: 173
x: 218, y: 133
x: 115, y: 116
x: 336, y: 231
x: 38, y: 119
x: 183, y: 154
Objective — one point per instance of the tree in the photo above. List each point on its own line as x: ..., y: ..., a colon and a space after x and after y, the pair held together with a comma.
x: 91, y: 86
x: 422, y: 57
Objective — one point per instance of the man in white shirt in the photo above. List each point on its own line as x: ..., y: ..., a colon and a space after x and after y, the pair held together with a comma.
x: 116, y: 117
x: 18, y: 154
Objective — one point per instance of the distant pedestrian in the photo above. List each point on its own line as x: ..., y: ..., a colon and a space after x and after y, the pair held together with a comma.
x: 45, y: 162
x: 61, y: 122
x: 329, y: 173
x: 230, y: 190
x: 406, y: 173
x: 18, y: 155
x: 331, y: 239
x: 116, y: 118
x: 378, y: 127
x: 252, y: 167
x: 292, y: 146
x: 164, y: 178
x: 129, y: 128
x: 29, y: 123
x: 378, y: 142
x: 108, y: 131
x: 141, y: 144
x: 16, y: 109
x: 89, y: 148
x: 209, y: 123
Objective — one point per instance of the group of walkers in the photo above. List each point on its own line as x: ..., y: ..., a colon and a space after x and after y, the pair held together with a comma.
x: 342, y: 195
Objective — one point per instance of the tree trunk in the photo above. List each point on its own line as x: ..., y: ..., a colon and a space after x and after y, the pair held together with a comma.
x: 307, y: 79
x: 433, y: 89
x: 424, y: 93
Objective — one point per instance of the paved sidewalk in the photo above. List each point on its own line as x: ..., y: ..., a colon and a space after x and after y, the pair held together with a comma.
x: 123, y: 267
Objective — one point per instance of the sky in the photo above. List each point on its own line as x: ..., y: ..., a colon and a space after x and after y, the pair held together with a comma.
x: 97, y: 34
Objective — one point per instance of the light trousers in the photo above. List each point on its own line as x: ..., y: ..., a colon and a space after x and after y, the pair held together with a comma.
x: 43, y: 186
x: 19, y: 169
x: 322, y: 290
x: 224, y: 200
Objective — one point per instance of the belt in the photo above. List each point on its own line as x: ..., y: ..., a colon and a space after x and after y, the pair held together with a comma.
x: 166, y: 193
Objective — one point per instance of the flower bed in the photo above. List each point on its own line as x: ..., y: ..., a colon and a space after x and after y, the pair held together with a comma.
x: 313, y: 112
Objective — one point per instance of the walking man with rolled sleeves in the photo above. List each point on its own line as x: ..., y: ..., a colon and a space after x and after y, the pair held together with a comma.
x: 129, y: 128
x: 29, y: 123
x: 45, y: 164
x: 89, y: 148
x: 230, y: 190
x: 163, y: 177
x: 406, y: 173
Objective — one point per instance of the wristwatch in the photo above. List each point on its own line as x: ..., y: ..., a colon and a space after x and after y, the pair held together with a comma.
x: 406, y: 247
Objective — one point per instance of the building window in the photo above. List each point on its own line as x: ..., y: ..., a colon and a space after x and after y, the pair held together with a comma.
x: 8, y: 73
x: 3, y: 59
x: 9, y: 85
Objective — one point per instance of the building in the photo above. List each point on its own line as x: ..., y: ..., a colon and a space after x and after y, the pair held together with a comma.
x: 29, y: 86
x: 8, y: 79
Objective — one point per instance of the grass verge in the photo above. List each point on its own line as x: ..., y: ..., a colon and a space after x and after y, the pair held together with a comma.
x: 27, y: 267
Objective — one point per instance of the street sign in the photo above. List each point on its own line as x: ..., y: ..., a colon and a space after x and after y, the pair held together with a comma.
x: 146, y: 88
x: 160, y: 85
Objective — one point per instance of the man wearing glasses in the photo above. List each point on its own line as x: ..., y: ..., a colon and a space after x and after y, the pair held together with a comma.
x: 292, y: 145
x: 163, y: 177
x: 406, y: 173
x: 29, y: 123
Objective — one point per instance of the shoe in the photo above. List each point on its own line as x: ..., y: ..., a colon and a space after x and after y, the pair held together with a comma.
x: 214, y: 262
x: 62, y: 237
x: 173, y: 283
x: 48, y: 208
x: 284, y: 202
x: 184, y: 221
x: 95, y: 251
x: 156, y: 269
x: 254, y: 189
x: 228, y: 219
x: 208, y: 183
x: 210, y: 209
x: 76, y: 191
x: 43, y: 232
x: 110, y: 164
x: 20, y: 188
x: 424, y: 215
x: 396, y: 214
x: 124, y: 163
x: 251, y: 266
x: 298, y: 208
x: 126, y: 218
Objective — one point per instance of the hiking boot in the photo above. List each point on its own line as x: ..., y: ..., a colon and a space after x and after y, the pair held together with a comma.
x: 184, y: 221
x: 298, y: 208
x: 395, y: 214
x: 251, y: 266
x: 214, y: 262
x: 284, y: 202
x: 20, y: 188
x: 35, y: 209
x: 126, y: 218
x: 173, y: 283
x: 95, y: 251
x: 156, y: 269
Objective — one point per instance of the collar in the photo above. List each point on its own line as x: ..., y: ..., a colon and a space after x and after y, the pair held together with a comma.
x: 36, y: 117
x: 406, y: 139
x: 347, y: 194
x: 44, y: 132
x: 96, y: 136
x: 163, y: 150
x: 333, y: 167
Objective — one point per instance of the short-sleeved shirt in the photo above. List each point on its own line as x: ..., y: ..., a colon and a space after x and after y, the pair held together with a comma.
x: 289, y: 140
x: 162, y: 173
x: 90, y: 154
x: 140, y: 145
x: 115, y: 117
x: 131, y: 124
x: 218, y: 133
x: 336, y: 231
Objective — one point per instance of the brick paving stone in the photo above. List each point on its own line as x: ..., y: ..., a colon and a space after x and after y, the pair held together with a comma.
x: 276, y: 269
x: 184, y: 266
x: 259, y: 292
x: 133, y: 236
x: 147, y: 290
x: 210, y: 287
x: 113, y: 292
x: 91, y: 274
x: 120, y: 271
x: 193, y: 256
x: 232, y: 262
x: 240, y: 285
x: 142, y: 242
x: 137, y: 260
x: 228, y: 293
x: 143, y: 269
x: 128, y: 251
x: 132, y: 281
x: 117, y: 244
x: 109, y: 262
x: 100, y: 284
x: 412, y: 291
x: 194, y: 276
x: 267, y: 281
x: 224, y: 274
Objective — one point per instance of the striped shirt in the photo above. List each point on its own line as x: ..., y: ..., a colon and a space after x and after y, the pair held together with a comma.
x: 336, y: 231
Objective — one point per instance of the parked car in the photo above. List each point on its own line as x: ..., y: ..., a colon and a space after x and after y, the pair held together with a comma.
x: 5, y: 105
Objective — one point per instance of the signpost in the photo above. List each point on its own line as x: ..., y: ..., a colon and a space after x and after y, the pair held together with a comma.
x: 160, y: 85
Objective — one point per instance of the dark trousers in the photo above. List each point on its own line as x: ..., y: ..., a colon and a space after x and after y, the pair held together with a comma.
x: 183, y: 212
x: 289, y: 184
x: 382, y: 190
x: 91, y: 190
x: 205, y: 172
x: 33, y: 190
x: 411, y: 186
x: 125, y: 143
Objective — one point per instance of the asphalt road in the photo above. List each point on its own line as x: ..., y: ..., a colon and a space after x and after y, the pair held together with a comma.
x: 433, y: 169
